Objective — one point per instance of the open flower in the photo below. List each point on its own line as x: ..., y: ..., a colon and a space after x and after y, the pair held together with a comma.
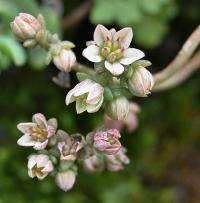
x: 66, y: 179
x: 38, y: 132
x: 112, y: 48
x: 25, y: 26
x: 88, y: 96
x: 115, y: 162
x: 69, y: 148
x: 107, y: 141
x: 39, y: 166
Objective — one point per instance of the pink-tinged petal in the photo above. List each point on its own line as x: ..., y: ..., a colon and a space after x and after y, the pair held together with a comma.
x: 115, y: 68
x: 83, y: 87
x: 92, y: 54
x: 40, y: 145
x: 48, y: 167
x: 42, y: 160
x: 51, y: 131
x: 25, y: 127
x: 95, y: 94
x: 124, y: 37
x: 70, y: 97
x: 131, y: 55
x: 40, y: 119
x: 101, y: 34
x: 26, y: 141
x: 30, y: 173
x: 92, y: 108
x: 32, y: 160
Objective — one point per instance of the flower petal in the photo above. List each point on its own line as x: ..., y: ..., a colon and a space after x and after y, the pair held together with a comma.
x: 131, y: 55
x: 92, y: 53
x: 40, y: 120
x: 80, y: 106
x: 70, y: 97
x: 83, y: 87
x: 124, y: 37
x: 40, y: 145
x: 92, y: 108
x: 95, y: 94
x: 115, y: 68
x: 26, y: 141
x: 101, y: 34
x: 25, y: 127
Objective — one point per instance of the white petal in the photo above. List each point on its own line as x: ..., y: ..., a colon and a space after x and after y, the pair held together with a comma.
x: 32, y: 160
x: 40, y: 145
x: 92, y: 108
x: 101, y: 34
x: 124, y: 37
x: 80, y: 106
x: 26, y: 141
x: 95, y: 94
x: 42, y: 160
x: 48, y: 167
x: 83, y: 87
x: 70, y: 97
x: 115, y: 68
x: 25, y: 127
x: 92, y: 53
x: 131, y: 55
x: 40, y: 119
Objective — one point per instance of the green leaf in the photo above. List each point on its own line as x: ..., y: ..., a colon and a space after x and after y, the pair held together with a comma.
x: 108, y: 96
x: 13, y: 50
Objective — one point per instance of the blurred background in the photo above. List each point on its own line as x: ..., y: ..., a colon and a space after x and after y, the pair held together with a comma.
x: 164, y: 149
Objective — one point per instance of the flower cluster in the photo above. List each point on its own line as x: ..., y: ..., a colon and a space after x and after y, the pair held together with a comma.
x: 118, y: 74
x: 57, y: 152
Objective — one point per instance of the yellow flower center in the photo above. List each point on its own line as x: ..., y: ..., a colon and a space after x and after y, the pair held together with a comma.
x: 39, y: 134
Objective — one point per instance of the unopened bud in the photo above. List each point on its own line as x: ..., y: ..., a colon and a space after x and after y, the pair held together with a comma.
x: 118, y: 108
x: 25, y: 26
x: 65, y: 60
x: 66, y: 179
x: 141, y: 82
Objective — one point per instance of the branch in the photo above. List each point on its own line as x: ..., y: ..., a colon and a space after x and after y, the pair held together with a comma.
x: 83, y: 68
x: 181, y: 75
x: 77, y: 15
x: 182, y: 57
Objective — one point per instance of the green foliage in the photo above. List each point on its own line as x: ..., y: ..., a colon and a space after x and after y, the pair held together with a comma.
x: 11, y: 51
x: 149, y: 19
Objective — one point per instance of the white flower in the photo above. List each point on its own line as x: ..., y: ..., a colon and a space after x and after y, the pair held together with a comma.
x: 25, y: 26
x: 112, y: 48
x: 64, y: 60
x: 88, y: 96
x: 141, y: 82
x: 36, y: 133
x: 39, y: 166
x: 65, y: 180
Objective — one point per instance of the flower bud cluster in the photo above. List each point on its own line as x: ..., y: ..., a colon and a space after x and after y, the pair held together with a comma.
x: 32, y: 32
x: 57, y: 152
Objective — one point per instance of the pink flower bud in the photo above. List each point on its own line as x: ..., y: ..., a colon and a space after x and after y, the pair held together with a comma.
x: 25, y: 26
x: 64, y: 60
x: 107, y: 141
x: 39, y: 166
x: 66, y: 179
x: 115, y: 162
x: 141, y: 82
